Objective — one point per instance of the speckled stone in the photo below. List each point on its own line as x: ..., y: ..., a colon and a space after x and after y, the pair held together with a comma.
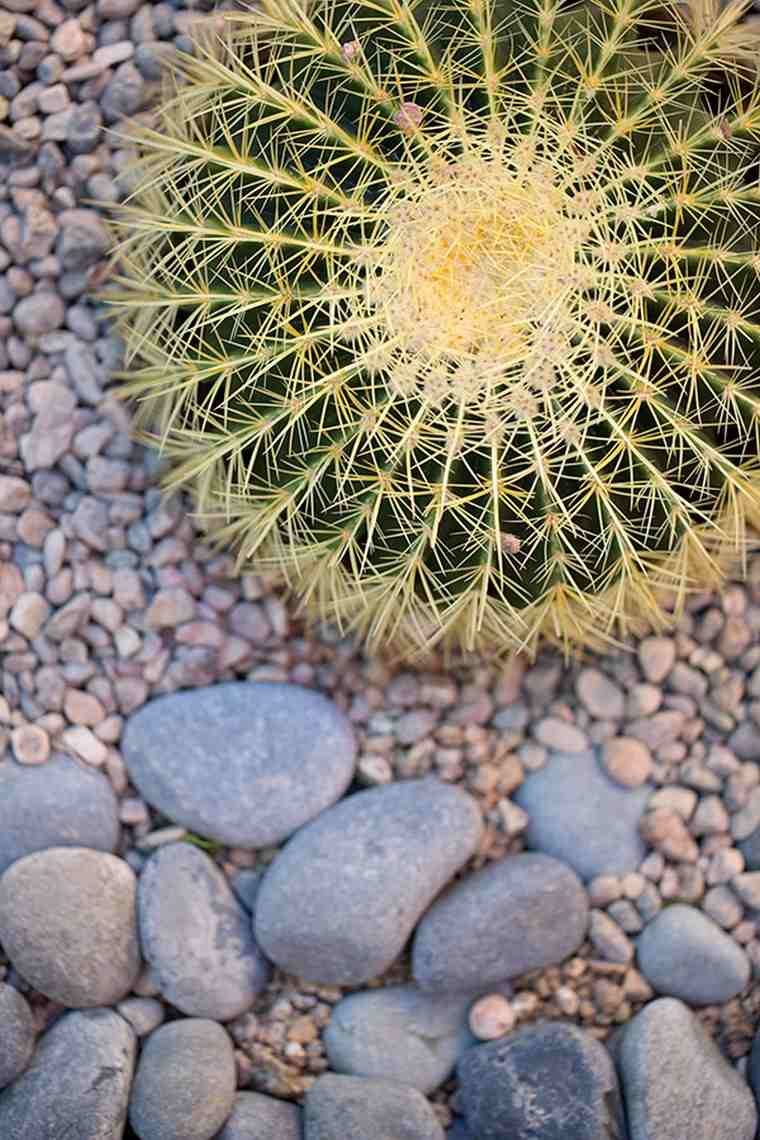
x: 17, y: 1034
x: 684, y: 954
x: 259, y: 1117
x: 338, y: 1107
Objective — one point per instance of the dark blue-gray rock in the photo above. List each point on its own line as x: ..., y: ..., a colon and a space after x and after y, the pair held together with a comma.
x: 550, y: 1080
x: 578, y: 814
x: 676, y: 1082
x: 245, y: 884
x: 259, y: 1117
x: 77, y: 1085
x: 340, y: 900
x: 686, y: 955
x: 458, y: 1130
x: 68, y: 924
x: 750, y: 849
x: 17, y: 1034
x: 245, y: 764
x: 336, y: 1107
x: 753, y: 1069
x: 518, y: 914
x: 196, y: 936
x: 184, y: 1086
x: 58, y: 804
x: 398, y: 1033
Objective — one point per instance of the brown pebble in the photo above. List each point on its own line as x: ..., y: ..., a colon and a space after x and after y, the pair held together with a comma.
x: 627, y: 761
x: 31, y: 744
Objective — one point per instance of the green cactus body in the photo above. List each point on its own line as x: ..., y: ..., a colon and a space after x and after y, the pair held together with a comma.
x: 448, y: 311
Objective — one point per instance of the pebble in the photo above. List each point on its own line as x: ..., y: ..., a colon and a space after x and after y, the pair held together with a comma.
x: 17, y: 1034
x: 491, y: 1017
x: 196, y: 936
x: 83, y: 238
x: 38, y: 314
x: 551, y: 1079
x: 259, y: 1117
x: 683, y: 954
x: 28, y: 614
x: 657, y: 657
x: 185, y: 1081
x: 555, y: 733
x: 747, y: 887
x: 518, y: 914
x: 15, y: 493
x: 579, y: 815
x: 77, y: 1084
x: 144, y: 1014
x: 338, y: 1106
x: 31, y: 744
x: 61, y: 804
x: 608, y: 939
x: 627, y: 761
x: 676, y: 1082
x: 68, y: 924
x: 398, y: 1033
x: 340, y: 900
x: 600, y: 696
x: 287, y: 753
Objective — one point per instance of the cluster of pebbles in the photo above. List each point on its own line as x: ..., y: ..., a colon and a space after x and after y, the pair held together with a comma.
x: 256, y: 883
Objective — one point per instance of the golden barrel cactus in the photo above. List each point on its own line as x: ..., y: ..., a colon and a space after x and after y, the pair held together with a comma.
x: 449, y: 311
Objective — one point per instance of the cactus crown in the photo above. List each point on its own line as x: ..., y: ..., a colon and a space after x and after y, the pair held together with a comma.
x: 447, y: 310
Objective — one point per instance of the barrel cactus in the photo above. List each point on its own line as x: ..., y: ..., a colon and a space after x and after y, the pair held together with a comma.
x: 448, y: 311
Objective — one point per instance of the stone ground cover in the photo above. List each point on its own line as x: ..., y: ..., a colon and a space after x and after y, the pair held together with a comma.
x: 270, y: 886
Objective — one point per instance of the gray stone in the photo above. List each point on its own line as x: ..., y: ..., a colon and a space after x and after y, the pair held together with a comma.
x: 750, y: 849
x: 551, y: 1080
x: 259, y: 1117
x: 684, y: 954
x: 77, y: 1085
x: 196, y: 936
x: 286, y: 752
x: 184, y: 1086
x: 68, y: 924
x: 60, y: 804
x: 337, y: 1107
x: 16, y: 1034
x: 675, y: 1081
x: 521, y: 913
x: 398, y: 1033
x: 38, y: 313
x: 83, y: 239
x: 578, y: 814
x: 340, y: 900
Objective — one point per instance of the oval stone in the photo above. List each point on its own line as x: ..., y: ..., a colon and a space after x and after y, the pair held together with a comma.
x: 196, y: 935
x: 259, y: 1117
x: 340, y: 900
x: 353, y: 1107
x: 686, y: 955
x: 243, y: 763
x: 58, y: 804
x: 17, y: 1034
x: 68, y: 924
x: 518, y: 914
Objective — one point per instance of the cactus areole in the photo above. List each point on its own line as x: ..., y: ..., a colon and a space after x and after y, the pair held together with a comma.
x: 449, y: 311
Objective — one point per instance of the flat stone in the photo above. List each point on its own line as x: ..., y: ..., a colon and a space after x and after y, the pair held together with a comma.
x: 581, y: 816
x: 684, y: 954
x: 83, y: 237
x: 29, y: 613
x: 676, y: 1082
x: 627, y: 761
x: 398, y: 1033
x: 259, y: 1117
x: 31, y: 744
x: 196, y: 936
x: 17, y: 1034
x: 62, y: 804
x: 15, y: 493
x: 601, y: 697
x: 556, y: 733
x: 170, y: 607
x: 657, y: 656
x: 336, y: 1107
x: 68, y: 924
x: 286, y: 752
x: 340, y: 900
x: 518, y: 914
x: 551, y: 1080
x: 77, y: 1084
x: 185, y: 1082
x: 39, y: 313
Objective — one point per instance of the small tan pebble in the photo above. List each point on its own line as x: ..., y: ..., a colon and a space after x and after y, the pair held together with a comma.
x: 514, y: 819
x: 162, y: 835
x: 109, y: 730
x: 666, y: 831
x: 601, y: 697
x: 303, y: 1030
x: 490, y: 1017
x: 553, y: 732
x: 608, y: 939
x: 133, y: 811
x: 636, y: 987
x: 524, y: 1004
x: 657, y: 656
x: 567, y: 1000
x: 294, y: 1051
x: 744, y: 932
x: 31, y: 744
x: 607, y: 995
x: 627, y: 761
x: 674, y: 798
x: 83, y: 743
x: 5, y: 711
x: 83, y: 708
x: 632, y: 884
x: 604, y: 889
x: 575, y: 968
x: 642, y: 700
x: 29, y: 613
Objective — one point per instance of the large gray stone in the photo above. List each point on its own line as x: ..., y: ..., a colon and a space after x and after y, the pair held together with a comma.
x: 245, y: 764
x: 259, y: 1117
x: 676, y: 1083
x: 58, y: 804
x: 550, y: 1080
x: 398, y: 1033
x: 68, y: 924
x: 684, y: 954
x: 184, y: 1087
x: 337, y: 1107
x: 578, y: 814
x: 17, y: 1034
x: 342, y: 897
x: 196, y: 935
x: 518, y: 914
x: 77, y: 1085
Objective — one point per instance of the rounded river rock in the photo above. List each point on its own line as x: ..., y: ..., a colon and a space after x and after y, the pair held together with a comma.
x: 245, y: 764
x: 340, y: 900
x: 686, y: 955
x: 336, y: 1108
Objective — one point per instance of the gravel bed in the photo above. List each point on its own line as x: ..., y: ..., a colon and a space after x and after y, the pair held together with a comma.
x: 625, y: 788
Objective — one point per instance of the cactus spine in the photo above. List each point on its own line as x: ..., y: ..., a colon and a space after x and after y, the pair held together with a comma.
x: 448, y: 310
